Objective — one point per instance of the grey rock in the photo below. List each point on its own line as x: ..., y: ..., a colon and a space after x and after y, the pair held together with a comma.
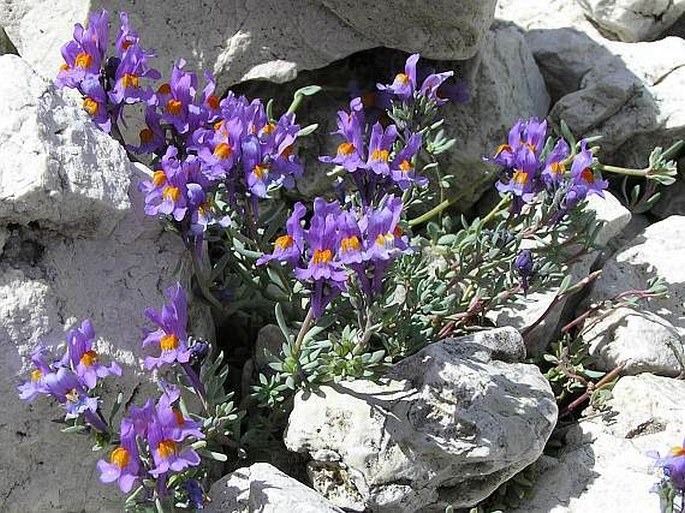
x: 656, y: 252
x: 640, y: 341
x: 56, y: 167
x: 268, y: 346
x: 630, y: 97
x: 634, y: 20
x: 604, y: 465
x: 270, y: 39
x: 262, y: 488
x: 6, y: 46
x: 446, y: 426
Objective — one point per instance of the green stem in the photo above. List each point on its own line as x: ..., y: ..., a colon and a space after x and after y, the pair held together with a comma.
x: 625, y: 170
x: 504, y: 202
x: 306, y: 324
x: 158, y: 505
x: 432, y: 212
x: 199, y: 274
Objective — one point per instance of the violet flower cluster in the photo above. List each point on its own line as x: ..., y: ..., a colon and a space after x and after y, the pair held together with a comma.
x: 362, y: 236
x: 154, y: 440
x: 379, y: 155
x: 153, y: 444
x: 529, y: 169
x: 106, y: 83
x: 72, y: 379
x: 202, y: 143
x: 339, y: 244
x: 209, y: 144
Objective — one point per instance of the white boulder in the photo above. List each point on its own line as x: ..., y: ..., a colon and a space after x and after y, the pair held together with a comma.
x: 262, y: 488
x: 634, y: 20
x: 447, y: 426
x: 639, y: 340
x: 656, y: 252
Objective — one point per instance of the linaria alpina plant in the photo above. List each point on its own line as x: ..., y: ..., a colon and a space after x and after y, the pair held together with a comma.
x: 356, y: 279
x: 671, y: 487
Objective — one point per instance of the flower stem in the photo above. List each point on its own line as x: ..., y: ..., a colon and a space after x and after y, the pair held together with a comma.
x: 624, y: 170
x: 204, y: 287
x: 306, y: 324
x: 197, y: 384
x: 504, y: 202
x: 432, y: 212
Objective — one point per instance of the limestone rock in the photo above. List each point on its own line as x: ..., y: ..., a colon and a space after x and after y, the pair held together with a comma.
x: 262, y: 488
x: 447, y: 426
x: 641, y: 341
x: 628, y: 93
x: 656, y: 252
x: 634, y: 20
x: 633, y: 91
x: 604, y: 465
x: 270, y: 40
x: 87, y: 251
x: 56, y: 167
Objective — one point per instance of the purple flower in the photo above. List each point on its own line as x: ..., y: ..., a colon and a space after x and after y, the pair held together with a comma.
x: 36, y: 385
x: 196, y: 496
x: 256, y: 170
x: 222, y: 150
x: 522, y: 179
x: 176, y: 99
x: 673, y: 466
x: 380, y: 147
x: 95, y: 103
x: 324, y: 272
x: 152, y: 136
x: 585, y: 180
x: 170, y: 416
x: 132, y: 68
x: 431, y: 84
x: 322, y: 239
x: 555, y: 170
x: 403, y: 171
x: 350, y: 249
x: 289, y: 247
x: 84, y: 360
x: 350, y: 153
x: 84, y: 55
x: 171, y: 336
x: 166, y: 192
x: 124, y: 461
x: 404, y: 84
x: 524, y: 266
x: 167, y: 454
x: 65, y: 386
x: 383, y: 235
x: 126, y: 37
x: 529, y: 134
